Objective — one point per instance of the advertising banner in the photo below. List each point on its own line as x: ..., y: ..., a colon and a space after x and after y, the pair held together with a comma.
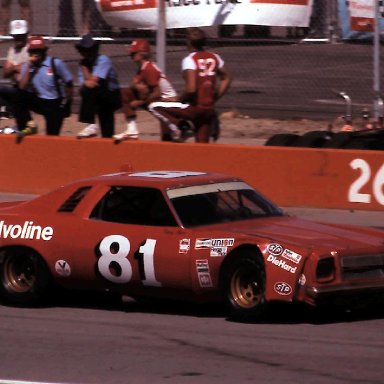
x: 197, y: 13
x: 357, y: 18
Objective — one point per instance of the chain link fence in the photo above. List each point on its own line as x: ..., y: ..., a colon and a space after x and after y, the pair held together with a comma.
x: 278, y: 72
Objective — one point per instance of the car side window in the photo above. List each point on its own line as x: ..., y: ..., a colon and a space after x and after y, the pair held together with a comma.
x: 134, y: 205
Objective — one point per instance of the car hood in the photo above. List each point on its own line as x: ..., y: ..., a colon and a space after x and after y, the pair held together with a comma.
x: 306, y: 233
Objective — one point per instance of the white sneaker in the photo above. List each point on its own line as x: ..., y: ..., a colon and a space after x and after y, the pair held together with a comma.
x: 132, y: 133
x: 89, y: 131
x: 127, y: 135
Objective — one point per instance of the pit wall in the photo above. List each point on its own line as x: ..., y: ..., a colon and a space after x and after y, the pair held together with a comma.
x: 323, y: 178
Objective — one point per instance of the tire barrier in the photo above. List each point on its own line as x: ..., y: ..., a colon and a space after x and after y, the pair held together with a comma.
x: 290, y: 176
x: 372, y: 139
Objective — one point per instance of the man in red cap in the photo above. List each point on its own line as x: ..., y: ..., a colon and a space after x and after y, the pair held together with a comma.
x: 45, y: 87
x: 148, y: 85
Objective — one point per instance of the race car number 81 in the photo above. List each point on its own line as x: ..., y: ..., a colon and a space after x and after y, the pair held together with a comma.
x: 115, y: 266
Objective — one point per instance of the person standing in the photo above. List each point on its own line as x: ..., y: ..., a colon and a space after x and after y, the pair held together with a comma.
x: 16, y: 56
x: 45, y: 87
x: 25, y: 11
x: 99, y: 89
x: 206, y: 80
x: 148, y: 85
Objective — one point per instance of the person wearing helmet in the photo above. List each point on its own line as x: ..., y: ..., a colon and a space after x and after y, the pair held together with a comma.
x: 45, y: 84
x: 16, y: 56
x: 148, y: 85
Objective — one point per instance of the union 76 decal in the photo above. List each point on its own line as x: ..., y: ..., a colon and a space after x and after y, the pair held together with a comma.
x: 114, y: 265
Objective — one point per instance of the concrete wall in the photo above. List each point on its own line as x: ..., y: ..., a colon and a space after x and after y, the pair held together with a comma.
x: 345, y: 179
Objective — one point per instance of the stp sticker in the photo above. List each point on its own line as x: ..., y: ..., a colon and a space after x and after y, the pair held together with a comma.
x: 275, y: 249
x: 282, y: 288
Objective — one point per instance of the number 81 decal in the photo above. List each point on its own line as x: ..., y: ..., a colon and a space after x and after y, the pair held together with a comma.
x: 114, y: 265
x: 354, y: 193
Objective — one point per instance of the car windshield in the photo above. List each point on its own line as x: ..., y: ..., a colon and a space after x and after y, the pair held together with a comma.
x: 220, y: 203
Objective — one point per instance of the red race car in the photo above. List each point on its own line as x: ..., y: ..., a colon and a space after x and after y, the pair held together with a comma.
x: 181, y: 235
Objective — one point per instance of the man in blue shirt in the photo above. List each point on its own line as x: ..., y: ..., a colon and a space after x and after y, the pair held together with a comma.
x: 45, y: 87
x: 100, y: 89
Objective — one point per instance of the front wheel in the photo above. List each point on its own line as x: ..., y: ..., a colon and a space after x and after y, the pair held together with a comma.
x: 243, y: 286
x: 24, y: 277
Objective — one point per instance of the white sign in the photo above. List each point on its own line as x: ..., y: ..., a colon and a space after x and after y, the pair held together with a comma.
x: 198, y: 13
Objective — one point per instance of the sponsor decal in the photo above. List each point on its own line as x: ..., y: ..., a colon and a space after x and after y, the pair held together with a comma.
x: 184, y: 245
x: 302, y: 279
x: 281, y: 264
x: 62, y: 268
x: 202, y: 267
x: 282, y: 288
x: 218, y: 247
x: 27, y: 231
x: 202, y: 243
x: 275, y: 249
x: 292, y: 256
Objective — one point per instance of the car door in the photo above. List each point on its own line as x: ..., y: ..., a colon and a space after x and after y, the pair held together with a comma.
x: 131, y: 242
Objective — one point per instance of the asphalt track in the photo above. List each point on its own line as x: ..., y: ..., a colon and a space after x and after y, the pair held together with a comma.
x: 83, y: 340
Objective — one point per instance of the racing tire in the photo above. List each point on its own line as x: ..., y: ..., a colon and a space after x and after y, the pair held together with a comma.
x: 24, y: 278
x: 314, y: 139
x: 282, y: 140
x: 339, y: 140
x: 360, y: 143
x: 243, y: 287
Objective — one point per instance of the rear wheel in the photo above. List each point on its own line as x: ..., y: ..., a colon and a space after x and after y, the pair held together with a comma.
x: 243, y: 286
x: 24, y: 277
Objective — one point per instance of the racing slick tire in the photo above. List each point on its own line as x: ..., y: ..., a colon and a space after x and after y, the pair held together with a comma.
x: 282, y: 140
x: 339, y: 140
x: 243, y: 287
x: 314, y: 139
x: 24, y: 277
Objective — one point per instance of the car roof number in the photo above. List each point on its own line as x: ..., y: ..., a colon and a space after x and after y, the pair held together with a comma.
x: 166, y: 174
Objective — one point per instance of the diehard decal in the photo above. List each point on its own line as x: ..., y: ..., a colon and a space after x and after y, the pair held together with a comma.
x: 282, y: 288
x: 281, y: 264
x: 62, y: 268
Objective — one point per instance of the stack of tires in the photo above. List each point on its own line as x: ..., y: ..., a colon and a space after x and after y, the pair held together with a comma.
x: 372, y: 139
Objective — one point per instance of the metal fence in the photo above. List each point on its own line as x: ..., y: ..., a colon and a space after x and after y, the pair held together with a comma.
x: 278, y: 72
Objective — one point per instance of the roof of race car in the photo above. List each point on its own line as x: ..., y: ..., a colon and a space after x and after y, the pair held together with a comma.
x: 162, y: 179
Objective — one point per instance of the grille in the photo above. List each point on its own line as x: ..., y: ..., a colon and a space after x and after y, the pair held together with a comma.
x: 363, y: 267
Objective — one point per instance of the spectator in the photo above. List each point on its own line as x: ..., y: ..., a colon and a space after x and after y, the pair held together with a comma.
x: 17, y: 55
x: 200, y: 70
x: 25, y: 11
x: 148, y: 85
x: 45, y: 87
x: 91, y: 20
x: 100, y: 89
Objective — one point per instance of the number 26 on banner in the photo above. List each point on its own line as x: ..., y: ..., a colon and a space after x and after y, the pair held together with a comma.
x: 366, y: 178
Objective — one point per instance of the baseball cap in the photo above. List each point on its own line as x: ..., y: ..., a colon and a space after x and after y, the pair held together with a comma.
x: 36, y: 42
x: 139, y: 45
x: 18, y: 27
